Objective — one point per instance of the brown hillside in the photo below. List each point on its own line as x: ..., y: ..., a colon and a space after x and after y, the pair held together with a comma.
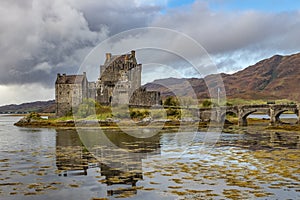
x: 38, y: 106
x: 273, y: 78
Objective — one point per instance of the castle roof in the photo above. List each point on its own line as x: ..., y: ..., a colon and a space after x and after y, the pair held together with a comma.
x: 69, y: 79
x: 117, y: 58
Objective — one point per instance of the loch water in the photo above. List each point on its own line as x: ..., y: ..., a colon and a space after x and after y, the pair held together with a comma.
x: 46, y: 164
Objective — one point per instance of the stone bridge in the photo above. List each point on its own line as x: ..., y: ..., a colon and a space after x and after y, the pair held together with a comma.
x: 274, y: 111
x: 218, y: 114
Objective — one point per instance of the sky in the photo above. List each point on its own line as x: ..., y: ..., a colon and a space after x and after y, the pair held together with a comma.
x: 42, y: 38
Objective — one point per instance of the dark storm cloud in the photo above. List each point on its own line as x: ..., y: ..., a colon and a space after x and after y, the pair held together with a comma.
x: 36, y: 33
x: 41, y: 38
x: 116, y: 15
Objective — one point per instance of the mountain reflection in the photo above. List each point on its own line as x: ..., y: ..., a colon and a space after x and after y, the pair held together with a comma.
x: 117, y: 154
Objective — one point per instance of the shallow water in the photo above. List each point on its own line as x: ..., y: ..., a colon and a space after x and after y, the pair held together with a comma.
x: 89, y: 164
x: 264, y: 116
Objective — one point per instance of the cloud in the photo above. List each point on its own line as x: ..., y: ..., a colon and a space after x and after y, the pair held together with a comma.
x: 230, y: 33
x: 117, y: 15
x: 39, y: 34
x: 42, y: 38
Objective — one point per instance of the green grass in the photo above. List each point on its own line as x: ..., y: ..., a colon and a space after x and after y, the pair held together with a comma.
x: 245, y: 102
x: 66, y: 118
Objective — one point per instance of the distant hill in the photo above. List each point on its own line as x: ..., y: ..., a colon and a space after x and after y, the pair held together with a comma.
x: 38, y: 106
x: 273, y: 78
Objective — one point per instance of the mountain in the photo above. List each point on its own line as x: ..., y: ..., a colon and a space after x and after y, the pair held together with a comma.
x: 273, y: 78
x: 38, y: 106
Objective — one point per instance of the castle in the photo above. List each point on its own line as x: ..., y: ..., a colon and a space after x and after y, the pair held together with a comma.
x: 119, y: 82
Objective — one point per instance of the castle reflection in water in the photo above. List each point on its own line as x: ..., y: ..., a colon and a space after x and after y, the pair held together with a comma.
x: 117, y: 155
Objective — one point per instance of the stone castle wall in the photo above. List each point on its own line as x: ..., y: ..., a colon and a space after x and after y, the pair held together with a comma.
x: 143, y: 98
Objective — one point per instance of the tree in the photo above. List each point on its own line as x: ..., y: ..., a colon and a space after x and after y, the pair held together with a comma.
x: 87, y: 108
x: 173, y: 111
x: 171, y: 101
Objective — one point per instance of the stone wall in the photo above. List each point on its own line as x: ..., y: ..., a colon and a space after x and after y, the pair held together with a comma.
x: 135, y: 77
x: 144, y: 98
x: 92, y: 90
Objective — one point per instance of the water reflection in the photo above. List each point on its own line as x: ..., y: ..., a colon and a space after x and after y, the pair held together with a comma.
x: 261, y: 140
x: 118, y: 156
x: 264, y: 116
x: 70, y: 154
x: 284, y: 118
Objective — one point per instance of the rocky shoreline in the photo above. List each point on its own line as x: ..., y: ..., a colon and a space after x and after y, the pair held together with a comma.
x: 53, y: 123
x: 30, y: 121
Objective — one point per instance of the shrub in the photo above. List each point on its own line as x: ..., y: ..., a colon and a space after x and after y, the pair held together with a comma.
x: 171, y: 101
x: 102, y: 109
x: 173, y: 113
x: 139, y: 114
x: 229, y: 104
x: 34, y: 115
x: 206, y: 103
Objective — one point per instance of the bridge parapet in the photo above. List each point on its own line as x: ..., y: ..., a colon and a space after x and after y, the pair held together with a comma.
x: 284, y: 106
x: 255, y: 106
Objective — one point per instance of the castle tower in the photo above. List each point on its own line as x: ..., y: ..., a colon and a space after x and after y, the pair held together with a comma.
x: 120, y: 76
x: 70, y: 90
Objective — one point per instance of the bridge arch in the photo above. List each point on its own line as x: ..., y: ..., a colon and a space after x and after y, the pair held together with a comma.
x: 243, y: 117
x: 223, y: 115
x: 279, y: 112
x: 245, y: 113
